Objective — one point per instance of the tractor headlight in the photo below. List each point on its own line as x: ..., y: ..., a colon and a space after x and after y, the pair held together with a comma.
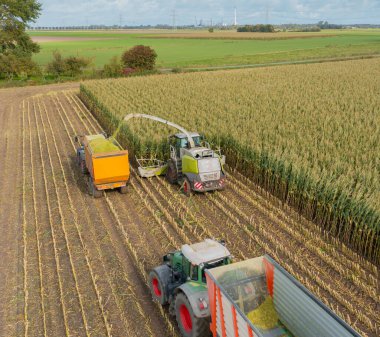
x: 202, y: 304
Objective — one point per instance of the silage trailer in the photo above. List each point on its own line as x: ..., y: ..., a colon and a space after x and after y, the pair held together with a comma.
x: 235, y: 289
x: 105, y: 163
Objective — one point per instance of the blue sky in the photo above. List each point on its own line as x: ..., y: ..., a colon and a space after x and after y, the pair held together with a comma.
x: 133, y: 12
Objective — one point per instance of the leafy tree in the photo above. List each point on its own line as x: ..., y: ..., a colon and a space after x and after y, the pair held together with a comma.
x: 16, y: 47
x: 140, y: 57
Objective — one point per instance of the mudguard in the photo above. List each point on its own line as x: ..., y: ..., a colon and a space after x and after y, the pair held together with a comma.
x: 195, y: 293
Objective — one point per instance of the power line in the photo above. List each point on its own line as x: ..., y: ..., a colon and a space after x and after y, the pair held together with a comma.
x: 174, y: 20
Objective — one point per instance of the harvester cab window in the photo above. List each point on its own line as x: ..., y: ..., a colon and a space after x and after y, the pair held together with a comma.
x: 183, y: 143
x: 197, y: 141
x: 194, y: 273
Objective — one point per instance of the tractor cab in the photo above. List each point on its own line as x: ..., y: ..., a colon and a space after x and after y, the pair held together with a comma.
x: 207, y: 254
x: 181, y: 283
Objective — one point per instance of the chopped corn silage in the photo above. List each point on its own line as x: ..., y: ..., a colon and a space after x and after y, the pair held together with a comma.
x: 265, y: 316
x: 100, y: 145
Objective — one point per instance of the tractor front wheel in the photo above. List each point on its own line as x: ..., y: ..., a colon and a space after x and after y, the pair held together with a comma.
x: 188, y: 323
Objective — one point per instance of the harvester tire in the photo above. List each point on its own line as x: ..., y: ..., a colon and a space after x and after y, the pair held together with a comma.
x: 159, y: 278
x: 123, y: 190
x: 186, y: 187
x: 188, y: 323
x: 171, y: 173
x: 92, y: 189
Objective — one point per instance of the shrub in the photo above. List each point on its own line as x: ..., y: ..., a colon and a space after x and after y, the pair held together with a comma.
x: 12, y: 65
x: 76, y: 65
x: 128, y: 71
x: 57, y: 66
x: 113, y: 68
x: 140, y: 57
x: 211, y: 30
x: 71, y: 66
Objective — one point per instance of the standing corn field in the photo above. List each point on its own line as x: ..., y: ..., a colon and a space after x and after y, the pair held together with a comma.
x: 309, y: 134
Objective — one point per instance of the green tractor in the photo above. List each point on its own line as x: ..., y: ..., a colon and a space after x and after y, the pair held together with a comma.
x: 180, y: 282
x: 192, y: 164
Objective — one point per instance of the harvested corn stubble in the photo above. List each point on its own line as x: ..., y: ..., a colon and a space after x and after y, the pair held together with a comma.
x: 265, y: 316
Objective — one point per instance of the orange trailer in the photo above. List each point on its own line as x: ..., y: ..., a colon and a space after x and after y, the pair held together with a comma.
x: 105, y: 163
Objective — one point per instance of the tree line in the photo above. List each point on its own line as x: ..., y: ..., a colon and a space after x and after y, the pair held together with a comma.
x: 256, y: 28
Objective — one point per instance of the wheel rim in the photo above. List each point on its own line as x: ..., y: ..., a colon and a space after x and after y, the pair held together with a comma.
x: 185, y: 318
x: 156, y: 287
x: 186, y: 187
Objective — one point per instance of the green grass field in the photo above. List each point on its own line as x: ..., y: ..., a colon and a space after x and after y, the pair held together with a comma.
x: 184, y: 52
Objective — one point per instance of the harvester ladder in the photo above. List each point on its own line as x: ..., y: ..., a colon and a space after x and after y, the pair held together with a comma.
x: 178, y: 164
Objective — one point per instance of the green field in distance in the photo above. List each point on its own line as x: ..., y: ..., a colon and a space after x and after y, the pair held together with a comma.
x: 212, y: 50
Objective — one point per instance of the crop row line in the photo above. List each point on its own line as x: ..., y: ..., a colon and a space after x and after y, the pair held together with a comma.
x: 121, y: 228
x: 194, y: 219
x: 48, y: 201
x: 98, y: 250
x: 139, y: 265
x: 62, y: 221
x: 33, y: 231
x: 72, y: 208
x: 24, y: 235
x: 37, y: 233
x: 113, y: 290
x: 130, y: 246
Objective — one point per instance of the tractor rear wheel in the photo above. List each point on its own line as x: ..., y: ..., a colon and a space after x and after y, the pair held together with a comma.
x: 188, y: 323
x: 159, y: 278
x: 186, y: 187
x: 171, y: 173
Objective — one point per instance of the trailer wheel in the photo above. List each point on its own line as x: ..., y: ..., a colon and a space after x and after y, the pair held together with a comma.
x: 171, y: 173
x: 83, y: 167
x: 159, y: 278
x: 186, y: 187
x: 123, y: 189
x: 188, y: 323
x: 92, y: 189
